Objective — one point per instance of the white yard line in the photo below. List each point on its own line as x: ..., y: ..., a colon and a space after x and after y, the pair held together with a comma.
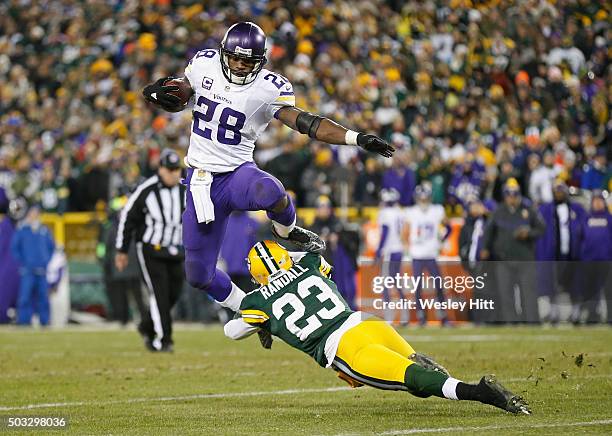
x: 71, y: 404
x: 176, y: 398
x: 494, y: 337
x: 523, y: 425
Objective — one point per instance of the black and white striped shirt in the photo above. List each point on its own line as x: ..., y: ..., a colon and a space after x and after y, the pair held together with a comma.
x: 153, y: 213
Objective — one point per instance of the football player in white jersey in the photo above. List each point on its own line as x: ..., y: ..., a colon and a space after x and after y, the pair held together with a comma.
x: 423, y: 223
x: 235, y: 99
x: 390, y: 250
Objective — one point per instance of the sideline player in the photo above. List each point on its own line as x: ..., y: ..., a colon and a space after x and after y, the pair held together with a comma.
x: 298, y: 303
x: 423, y: 222
x: 390, y: 248
x: 235, y: 99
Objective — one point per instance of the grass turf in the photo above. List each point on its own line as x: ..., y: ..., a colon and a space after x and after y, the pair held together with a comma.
x: 106, y: 383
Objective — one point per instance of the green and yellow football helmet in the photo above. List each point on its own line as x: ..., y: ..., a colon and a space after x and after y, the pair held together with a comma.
x: 268, y: 259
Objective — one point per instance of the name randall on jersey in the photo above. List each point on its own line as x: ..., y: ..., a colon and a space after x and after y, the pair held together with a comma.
x: 432, y: 303
x: 280, y: 279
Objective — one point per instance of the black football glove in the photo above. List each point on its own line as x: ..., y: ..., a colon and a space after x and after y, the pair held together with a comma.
x: 159, y: 94
x: 374, y: 144
x: 265, y: 337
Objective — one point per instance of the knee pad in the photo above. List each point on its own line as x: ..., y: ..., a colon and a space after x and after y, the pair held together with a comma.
x: 267, y: 192
x: 198, y: 273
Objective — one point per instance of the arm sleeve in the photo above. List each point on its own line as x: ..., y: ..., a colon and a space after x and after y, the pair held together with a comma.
x: 447, y: 231
x: 284, y: 96
x: 443, y: 220
x: 131, y: 216
x: 489, y: 232
x: 537, y: 225
x: 383, y: 238
x: 189, y: 71
x: 238, y: 329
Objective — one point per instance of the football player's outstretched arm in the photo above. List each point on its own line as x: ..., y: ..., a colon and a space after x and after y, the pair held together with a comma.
x: 238, y: 329
x: 326, y: 130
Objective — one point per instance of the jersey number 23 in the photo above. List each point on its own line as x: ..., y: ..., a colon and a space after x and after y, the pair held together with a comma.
x: 313, y: 322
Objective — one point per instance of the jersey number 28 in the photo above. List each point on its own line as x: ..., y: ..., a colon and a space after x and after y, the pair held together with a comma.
x: 312, y: 322
x: 230, y: 122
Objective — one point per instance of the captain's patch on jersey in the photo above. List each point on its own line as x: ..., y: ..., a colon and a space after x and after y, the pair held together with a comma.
x: 207, y: 83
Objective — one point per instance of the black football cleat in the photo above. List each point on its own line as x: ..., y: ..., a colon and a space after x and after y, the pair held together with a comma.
x: 167, y: 348
x: 147, y: 338
x: 490, y: 391
x: 304, y: 239
x: 428, y: 363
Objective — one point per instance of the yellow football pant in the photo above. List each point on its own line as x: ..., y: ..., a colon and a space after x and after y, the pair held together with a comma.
x: 373, y: 353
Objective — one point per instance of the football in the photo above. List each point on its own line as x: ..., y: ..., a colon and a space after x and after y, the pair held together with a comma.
x: 184, y: 92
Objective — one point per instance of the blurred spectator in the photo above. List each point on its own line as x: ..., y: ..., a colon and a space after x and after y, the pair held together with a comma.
x: 596, y: 173
x: 541, y: 180
x: 467, y: 180
x: 240, y: 236
x: 435, y: 172
x: 596, y: 257
x: 317, y: 178
x: 558, y: 247
x: 506, y: 171
x: 400, y: 177
x: 470, y: 238
x: 470, y: 246
x: 32, y: 246
x: 368, y: 184
x: 119, y: 285
x: 288, y: 165
x: 53, y: 192
x: 27, y: 179
x: 9, y: 266
x: 342, y: 248
x: 509, y: 239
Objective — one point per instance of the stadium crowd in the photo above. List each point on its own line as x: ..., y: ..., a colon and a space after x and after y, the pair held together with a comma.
x: 470, y: 93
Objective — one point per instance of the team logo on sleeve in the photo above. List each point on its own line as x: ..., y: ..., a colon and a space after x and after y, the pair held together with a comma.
x: 207, y: 83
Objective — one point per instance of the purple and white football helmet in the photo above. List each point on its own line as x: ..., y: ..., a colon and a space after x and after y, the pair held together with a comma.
x: 247, y: 41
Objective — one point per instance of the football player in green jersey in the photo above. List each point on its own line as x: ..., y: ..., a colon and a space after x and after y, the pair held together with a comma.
x: 298, y: 303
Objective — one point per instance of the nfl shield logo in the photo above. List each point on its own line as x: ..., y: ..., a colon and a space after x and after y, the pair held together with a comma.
x: 207, y: 83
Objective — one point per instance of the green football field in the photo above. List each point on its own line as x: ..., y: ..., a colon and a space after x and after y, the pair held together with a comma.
x: 104, y: 382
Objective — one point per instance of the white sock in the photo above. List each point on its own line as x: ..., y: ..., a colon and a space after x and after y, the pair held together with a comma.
x: 449, y: 388
x: 234, y: 298
x: 282, y: 230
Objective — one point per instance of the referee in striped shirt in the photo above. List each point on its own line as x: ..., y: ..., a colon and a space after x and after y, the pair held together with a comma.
x: 153, y: 216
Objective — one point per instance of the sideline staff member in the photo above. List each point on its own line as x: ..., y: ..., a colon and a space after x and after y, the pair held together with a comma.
x: 509, y: 238
x: 153, y: 214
